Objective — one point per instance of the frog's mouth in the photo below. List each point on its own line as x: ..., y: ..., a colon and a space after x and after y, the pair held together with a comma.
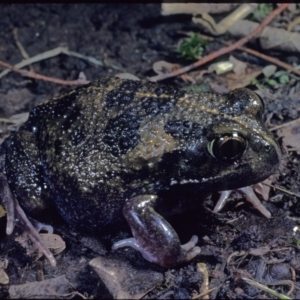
x: 244, y: 175
x: 230, y: 181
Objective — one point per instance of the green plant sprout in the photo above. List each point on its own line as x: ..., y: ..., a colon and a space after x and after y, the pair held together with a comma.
x: 192, y: 47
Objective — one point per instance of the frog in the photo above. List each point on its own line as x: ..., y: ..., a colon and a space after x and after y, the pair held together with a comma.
x: 120, y: 151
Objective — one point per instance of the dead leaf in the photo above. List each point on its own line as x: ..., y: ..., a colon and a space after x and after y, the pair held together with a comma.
x: 270, y: 38
x: 53, y: 241
x: 123, y: 280
x: 235, y: 81
x: 163, y: 67
x: 291, y: 135
x: 199, y: 76
x: 269, y: 70
x: 221, y: 67
x: 3, y: 277
x: 52, y: 288
x: 2, y: 211
x: 207, y: 21
x: 239, y: 67
x: 220, y: 89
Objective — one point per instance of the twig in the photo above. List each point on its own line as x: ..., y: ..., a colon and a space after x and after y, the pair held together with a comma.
x: 21, y: 48
x: 52, y: 53
x: 46, y: 55
x: 266, y: 289
x: 285, y: 124
x: 273, y: 60
x: 225, y: 50
x: 42, y: 77
x: 282, y: 190
x: 202, y: 268
x: 206, y: 293
x: 34, y: 59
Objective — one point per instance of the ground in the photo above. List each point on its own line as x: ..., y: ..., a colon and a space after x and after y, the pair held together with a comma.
x: 130, y: 38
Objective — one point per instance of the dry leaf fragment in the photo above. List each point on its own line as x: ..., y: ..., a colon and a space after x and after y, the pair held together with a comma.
x: 270, y: 37
x: 239, y: 67
x: 269, y: 70
x: 3, y: 277
x: 123, y: 280
x: 54, y: 288
x: 2, y: 211
x: 207, y: 21
x: 53, y: 241
x: 221, y: 67
x: 235, y: 81
x: 162, y: 67
x: 291, y: 135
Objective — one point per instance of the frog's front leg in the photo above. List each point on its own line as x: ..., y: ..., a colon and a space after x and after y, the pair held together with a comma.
x: 154, y: 237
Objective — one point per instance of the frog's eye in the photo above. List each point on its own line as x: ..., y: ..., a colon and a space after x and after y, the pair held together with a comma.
x: 228, y: 147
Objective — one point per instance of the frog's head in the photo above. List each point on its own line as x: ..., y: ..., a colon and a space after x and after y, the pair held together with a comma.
x: 234, y: 150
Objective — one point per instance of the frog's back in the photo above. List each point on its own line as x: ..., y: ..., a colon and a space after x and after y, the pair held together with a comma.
x: 84, y: 137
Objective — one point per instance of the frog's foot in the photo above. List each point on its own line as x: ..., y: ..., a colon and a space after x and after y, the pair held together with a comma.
x: 153, y: 236
x: 189, y: 249
x: 39, y: 226
x: 24, y: 222
x: 249, y: 195
x: 16, y: 216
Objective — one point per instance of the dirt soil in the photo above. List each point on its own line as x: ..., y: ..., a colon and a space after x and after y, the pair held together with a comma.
x: 130, y: 38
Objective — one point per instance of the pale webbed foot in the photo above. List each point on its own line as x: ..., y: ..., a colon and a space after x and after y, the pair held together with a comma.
x: 17, y: 216
x: 249, y: 195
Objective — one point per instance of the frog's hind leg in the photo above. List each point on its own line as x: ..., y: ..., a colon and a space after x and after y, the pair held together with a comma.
x: 21, y: 182
x: 16, y: 215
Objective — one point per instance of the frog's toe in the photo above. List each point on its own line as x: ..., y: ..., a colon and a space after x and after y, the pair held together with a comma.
x: 160, y: 256
x: 10, y: 223
x: 192, y: 253
x: 249, y: 195
x: 190, y: 249
x: 25, y: 223
x: 130, y: 242
x: 191, y: 244
x: 16, y: 215
x: 39, y: 226
x: 7, y: 199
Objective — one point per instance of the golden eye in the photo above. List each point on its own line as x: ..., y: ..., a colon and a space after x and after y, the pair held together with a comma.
x: 228, y: 147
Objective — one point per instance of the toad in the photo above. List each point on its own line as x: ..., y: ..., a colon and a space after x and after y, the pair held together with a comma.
x: 138, y: 151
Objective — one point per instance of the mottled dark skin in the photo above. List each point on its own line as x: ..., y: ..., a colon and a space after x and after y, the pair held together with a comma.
x: 141, y: 150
